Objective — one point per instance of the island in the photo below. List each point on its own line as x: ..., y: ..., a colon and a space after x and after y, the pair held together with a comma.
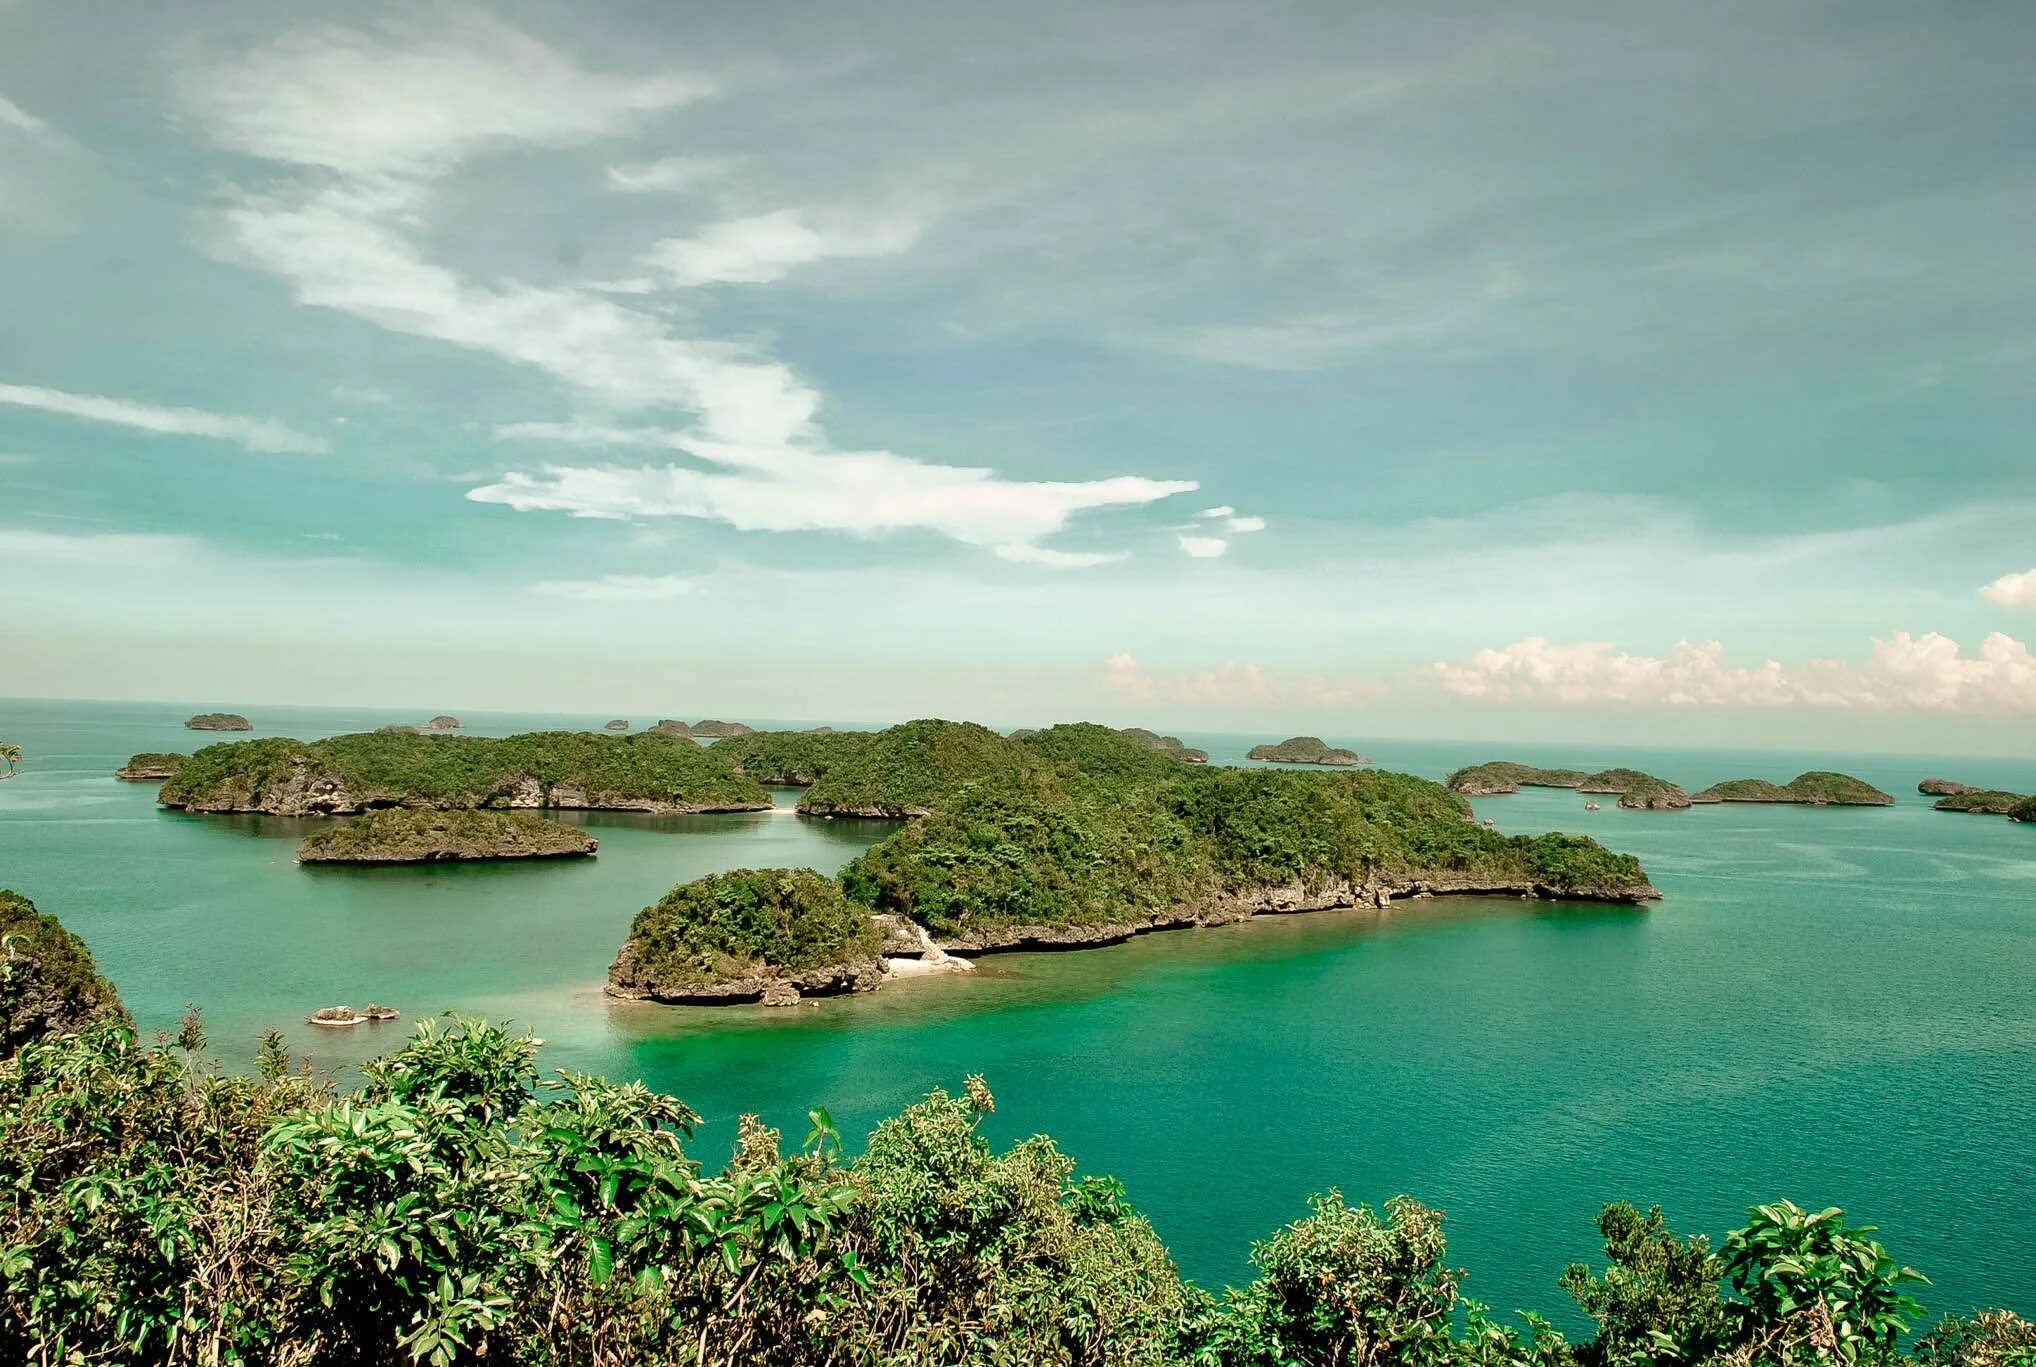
x: 49, y: 983
x: 708, y: 729
x: 1635, y: 789
x: 750, y: 935
x: 420, y: 835
x: 219, y: 721
x: 788, y: 759
x: 347, y: 774
x: 619, y: 724
x: 151, y: 766
x: 443, y: 723
x: 1076, y: 835
x: 1166, y: 745
x: 1944, y: 787
x: 1815, y: 788
x: 1984, y: 801
x: 346, y: 1015
x: 1305, y: 750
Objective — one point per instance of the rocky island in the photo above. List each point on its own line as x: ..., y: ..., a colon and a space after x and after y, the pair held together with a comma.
x: 419, y: 835
x: 1635, y: 789
x: 219, y: 721
x: 1985, y: 801
x: 708, y: 729
x: 442, y: 723
x: 1944, y: 787
x: 750, y: 935
x: 151, y: 766
x: 1306, y: 750
x: 619, y: 724
x: 1077, y: 835
x: 560, y: 769
x: 1166, y: 745
x: 1816, y: 788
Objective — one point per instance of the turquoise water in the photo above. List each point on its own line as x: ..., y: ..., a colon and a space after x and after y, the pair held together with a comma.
x: 1833, y: 1005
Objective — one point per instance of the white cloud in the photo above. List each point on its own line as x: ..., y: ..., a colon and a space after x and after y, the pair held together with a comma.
x: 1045, y: 555
x: 1232, y: 685
x: 1927, y: 673
x: 2012, y: 590
x: 14, y: 116
x: 256, y: 434
x: 669, y: 173
x: 766, y: 247
x: 1245, y: 524
x: 1221, y: 510
x: 415, y: 98
x: 617, y: 588
x: 1203, y: 547
x: 345, y: 243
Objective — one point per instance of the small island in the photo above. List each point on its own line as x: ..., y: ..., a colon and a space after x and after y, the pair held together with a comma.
x: 1945, y: 787
x: 1816, y: 788
x: 346, y: 1015
x: 1636, y: 790
x: 1165, y: 745
x: 1306, y: 750
x: 410, y: 835
x: 1983, y: 801
x: 750, y: 935
x: 619, y: 724
x: 443, y: 723
x: 708, y: 729
x: 151, y: 766
x: 219, y: 721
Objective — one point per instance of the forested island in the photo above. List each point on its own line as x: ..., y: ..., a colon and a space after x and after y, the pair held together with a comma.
x: 151, y: 766
x: 219, y: 721
x: 1306, y: 750
x: 422, y: 835
x: 1637, y: 789
x: 457, y: 1208
x: 647, y: 772
x: 1074, y: 835
x: 1964, y: 797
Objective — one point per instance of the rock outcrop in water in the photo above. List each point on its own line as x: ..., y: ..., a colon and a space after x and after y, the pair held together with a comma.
x: 565, y: 769
x: 1816, y: 788
x: 619, y: 724
x: 412, y: 835
x: 219, y: 721
x: 749, y: 935
x: 346, y: 1015
x: 1635, y: 789
x: 1306, y: 750
x: 1944, y: 787
x: 442, y: 723
x: 152, y: 766
x: 1984, y: 801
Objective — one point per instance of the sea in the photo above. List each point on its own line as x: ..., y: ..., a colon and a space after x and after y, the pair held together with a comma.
x: 1836, y: 1006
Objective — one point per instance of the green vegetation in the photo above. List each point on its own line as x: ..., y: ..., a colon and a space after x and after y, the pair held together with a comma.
x: 909, y: 769
x: 10, y: 755
x: 1636, y: 789
x: 48, y: 981
x: 540, y: 769
x: 2025, y: 810
x: 1152, y: 740
x: 1504, y: 776
x: 788, y: 758
x: 219, y: 721
x: 749, y: 934
x: 456, y: 1209
x: 1818, y: 787
x: 151, y: 766
x: 1096, y: 852
x: 1944, y: 787
x: 1305, y: 750
x: 420, y: 835
x: 1991, y: 801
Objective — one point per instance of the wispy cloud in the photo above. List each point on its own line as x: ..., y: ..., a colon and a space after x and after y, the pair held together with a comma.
x: 20, y: 120
x: 766, y: 247
x: 1232, y: 685
x: 256, y: 434
x: 1203, y: 547
x: 2012, y: 590
x: 617, y: 588
x: 1927, y: 673
x: 1070, y: 560
x: 668, y: 173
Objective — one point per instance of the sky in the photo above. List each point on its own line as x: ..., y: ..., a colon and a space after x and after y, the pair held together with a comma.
x: 1655, y: 372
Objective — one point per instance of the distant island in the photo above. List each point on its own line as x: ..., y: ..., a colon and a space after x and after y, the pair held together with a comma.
x: 1944, y: 787
x: 414, y: 835
x: 619, y: 724
x: 1639, y: 790
x: 1306, y: 750
x: 1073, y: 835
x: 219, y: 721
x: 1166, y: 745
x: 1815, y: 788
x: 443, y: 723
x: 708, y: 729
x: 567, y: 769
x: 151, y: 765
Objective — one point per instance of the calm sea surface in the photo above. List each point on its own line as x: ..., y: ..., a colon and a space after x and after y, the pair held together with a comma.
x: 1838, y: 1006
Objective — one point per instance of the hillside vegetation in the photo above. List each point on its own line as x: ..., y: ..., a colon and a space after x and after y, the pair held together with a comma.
x: 351, y: 773
x: 909, y: 769
x: 747, y: 935
x: 48, y: 980
x: 422, y: 835
x: 793, y: 759
x: 1818, y: 787
x: 458, y: 1209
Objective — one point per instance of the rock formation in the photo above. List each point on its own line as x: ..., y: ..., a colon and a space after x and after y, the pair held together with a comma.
x: 219, y: 721
x: 443, y: 723
x: 1944, y: 787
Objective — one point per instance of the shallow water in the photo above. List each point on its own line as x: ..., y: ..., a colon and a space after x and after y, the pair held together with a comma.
x: 1833, y: 1005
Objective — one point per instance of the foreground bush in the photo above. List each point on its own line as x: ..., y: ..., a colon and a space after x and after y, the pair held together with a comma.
x: 457, y: 1209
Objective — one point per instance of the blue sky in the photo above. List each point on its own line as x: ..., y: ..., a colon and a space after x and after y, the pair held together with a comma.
x: 1552, y: 371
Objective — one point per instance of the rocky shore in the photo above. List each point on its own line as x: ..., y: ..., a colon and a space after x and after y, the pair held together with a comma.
x: 151, y: 766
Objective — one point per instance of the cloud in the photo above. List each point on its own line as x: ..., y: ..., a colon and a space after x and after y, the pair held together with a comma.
x: 2012, y: 590
x: 1232, y: 685
x: 14, y: 116
x: 256, y: 434
x: 1043, y: 555
x: 669, y: 173
x: 1203, y: 547
x: 1245, y: 524
x: 1221, y: 510
x: 1927, y: 673
x: 766, y: 247
x: 759, y: 459
x: 617, y: 588
x: 410, y: 99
